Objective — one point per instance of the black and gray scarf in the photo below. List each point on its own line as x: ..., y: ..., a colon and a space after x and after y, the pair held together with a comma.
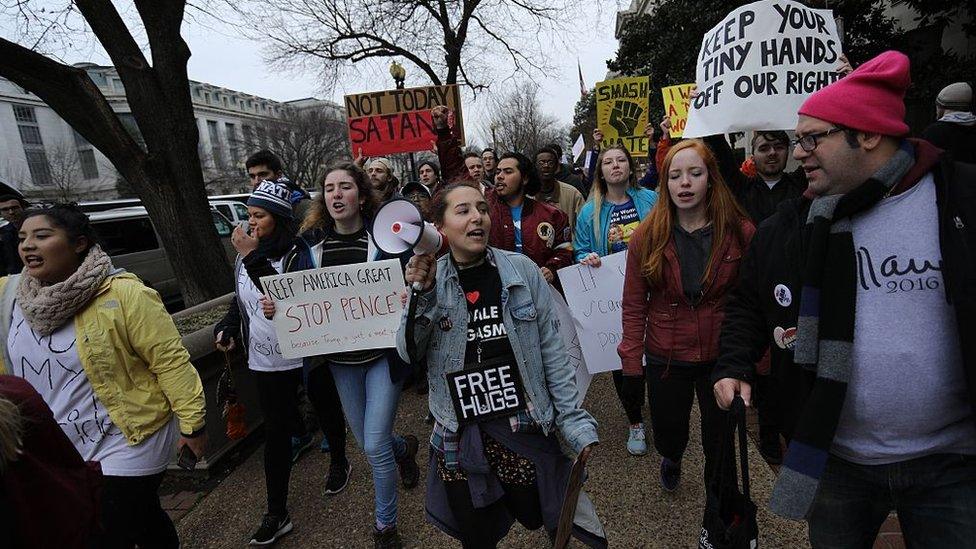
x: 825, y: 331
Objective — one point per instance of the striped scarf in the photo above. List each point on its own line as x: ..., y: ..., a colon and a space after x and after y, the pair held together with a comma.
x: 825, y: 331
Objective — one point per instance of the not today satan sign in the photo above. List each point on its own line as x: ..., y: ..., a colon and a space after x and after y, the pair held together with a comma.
x: 399, y: 121
x: 757, y: 66
x: 336, y: 309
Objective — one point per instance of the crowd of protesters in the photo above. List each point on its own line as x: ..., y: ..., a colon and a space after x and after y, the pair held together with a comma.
x: 835, y: 298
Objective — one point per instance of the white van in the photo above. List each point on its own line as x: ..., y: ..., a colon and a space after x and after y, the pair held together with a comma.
x: 234, y: 210
x: 128, y: 236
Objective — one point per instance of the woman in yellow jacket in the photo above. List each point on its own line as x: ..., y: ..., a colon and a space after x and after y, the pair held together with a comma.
x: 104, y: 354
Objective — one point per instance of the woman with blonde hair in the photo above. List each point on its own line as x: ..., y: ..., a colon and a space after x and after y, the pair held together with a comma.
x: 683, y: 263
x: 615, y: 208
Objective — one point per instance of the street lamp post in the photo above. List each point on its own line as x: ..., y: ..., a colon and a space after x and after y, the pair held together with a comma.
x: 399, y: 74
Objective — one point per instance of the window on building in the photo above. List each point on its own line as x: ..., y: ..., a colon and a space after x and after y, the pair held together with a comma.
x: 30, y: 138
x: 216, y: 150
x: 30, y: 135
x: 40, y: 168
x: 89, y: 168
x: 232, y: 142
x: 206, y: 97
x: 226, y: 102
x: 24, y: 113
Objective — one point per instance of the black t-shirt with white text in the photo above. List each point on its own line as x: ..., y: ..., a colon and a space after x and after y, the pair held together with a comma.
x: 482, y: 287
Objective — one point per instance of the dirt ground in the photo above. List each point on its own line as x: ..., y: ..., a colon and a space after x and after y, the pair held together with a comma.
x: 635, y: 510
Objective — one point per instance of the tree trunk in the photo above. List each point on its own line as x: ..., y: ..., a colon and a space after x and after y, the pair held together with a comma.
x: 167, y: 176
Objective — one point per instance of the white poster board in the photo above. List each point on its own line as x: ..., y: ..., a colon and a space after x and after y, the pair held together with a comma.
x: 594, y: 295
x: 567, y: 330
x: 757, y: 66
x: 336, y: 309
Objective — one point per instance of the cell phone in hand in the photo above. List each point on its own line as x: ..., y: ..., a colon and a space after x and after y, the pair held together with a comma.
x: 186, y: 458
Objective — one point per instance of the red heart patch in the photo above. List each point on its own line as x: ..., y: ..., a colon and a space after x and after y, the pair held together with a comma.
x: 472, y: 297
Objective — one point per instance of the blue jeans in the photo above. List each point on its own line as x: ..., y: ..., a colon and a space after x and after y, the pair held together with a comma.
x: 935, y: 497
x: 369, y: 401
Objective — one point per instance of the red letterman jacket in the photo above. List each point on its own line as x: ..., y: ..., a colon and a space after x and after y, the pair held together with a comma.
x: 546, y: 238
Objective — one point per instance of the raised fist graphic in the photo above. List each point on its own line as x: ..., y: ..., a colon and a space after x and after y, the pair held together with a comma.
x: 624, y: 117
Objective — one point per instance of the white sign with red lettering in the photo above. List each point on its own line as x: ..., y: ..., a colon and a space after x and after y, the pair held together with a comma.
x: 336, y: 309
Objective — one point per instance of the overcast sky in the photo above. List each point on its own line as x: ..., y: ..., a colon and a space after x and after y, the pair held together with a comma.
x: 223, y: 58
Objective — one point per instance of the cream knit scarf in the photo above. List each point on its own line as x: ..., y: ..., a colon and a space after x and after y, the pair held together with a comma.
x: 47, y: 308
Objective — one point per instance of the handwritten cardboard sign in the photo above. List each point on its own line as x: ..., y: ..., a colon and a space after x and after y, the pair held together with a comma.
x: 399, y: 121
x: 594, y: 295
x: 567, y: 331
x: 336, y: 309
x: 759, y: 64
x: 676, y: 101
x: 622, y: 112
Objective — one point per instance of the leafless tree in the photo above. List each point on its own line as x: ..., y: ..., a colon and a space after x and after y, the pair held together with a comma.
x: 66, y: 183
x: 469, y: 42
x: 307, y: 140
x: 166, y: 173
x: 516, y: 122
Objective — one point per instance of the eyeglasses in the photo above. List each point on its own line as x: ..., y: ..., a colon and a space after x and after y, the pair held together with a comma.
x: 809, y: 142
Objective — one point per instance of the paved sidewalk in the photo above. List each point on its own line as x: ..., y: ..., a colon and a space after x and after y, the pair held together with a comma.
x: 635, y: 510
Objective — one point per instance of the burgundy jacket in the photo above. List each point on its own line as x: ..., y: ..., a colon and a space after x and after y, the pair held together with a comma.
x: 663, y: 321
x: 546, y: 237
x: 52, y: 493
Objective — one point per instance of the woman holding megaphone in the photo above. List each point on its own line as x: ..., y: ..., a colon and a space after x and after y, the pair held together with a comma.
x: 500, y: 382
x: 336, y: 232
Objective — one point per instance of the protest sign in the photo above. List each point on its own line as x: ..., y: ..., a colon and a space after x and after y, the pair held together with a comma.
x: 676, y: 100
x: 335, y: 309
x: 398, y: 121
x: 594, y: 295
x: 622, y: 112
x: 758, y: 65
x: 567, y: 331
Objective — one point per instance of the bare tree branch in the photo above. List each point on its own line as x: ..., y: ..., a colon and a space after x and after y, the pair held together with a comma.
x: 449, y: 41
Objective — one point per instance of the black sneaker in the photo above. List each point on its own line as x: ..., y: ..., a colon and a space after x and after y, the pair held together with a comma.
x: 272, y: 528
x: 409, y: 471
x: 338, y: 478
x: 387, y: 538
x: 670, y: 474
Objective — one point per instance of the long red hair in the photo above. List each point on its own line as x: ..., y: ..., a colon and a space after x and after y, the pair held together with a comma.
x: 721, y: 210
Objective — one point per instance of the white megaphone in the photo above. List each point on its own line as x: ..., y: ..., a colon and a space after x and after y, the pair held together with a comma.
x: 399, y: 226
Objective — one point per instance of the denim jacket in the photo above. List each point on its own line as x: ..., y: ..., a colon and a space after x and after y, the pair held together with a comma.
x: 530, y: 320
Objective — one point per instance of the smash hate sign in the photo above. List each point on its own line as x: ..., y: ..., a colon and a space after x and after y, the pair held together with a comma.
x: 622, y: 113
x: 335, y: 309
x: 759, y: 64
x: 398, y: 121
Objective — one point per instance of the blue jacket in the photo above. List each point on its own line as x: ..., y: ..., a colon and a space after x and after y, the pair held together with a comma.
x: 584, y: 240
x: 530, y: 320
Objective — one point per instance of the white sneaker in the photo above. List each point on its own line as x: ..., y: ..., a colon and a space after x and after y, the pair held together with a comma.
x: 636, y: 443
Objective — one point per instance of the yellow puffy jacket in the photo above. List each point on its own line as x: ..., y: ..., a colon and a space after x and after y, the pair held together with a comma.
x: 134, y: 359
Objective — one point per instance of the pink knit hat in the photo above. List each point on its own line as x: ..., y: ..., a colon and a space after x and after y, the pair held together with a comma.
x: 870, y: 99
